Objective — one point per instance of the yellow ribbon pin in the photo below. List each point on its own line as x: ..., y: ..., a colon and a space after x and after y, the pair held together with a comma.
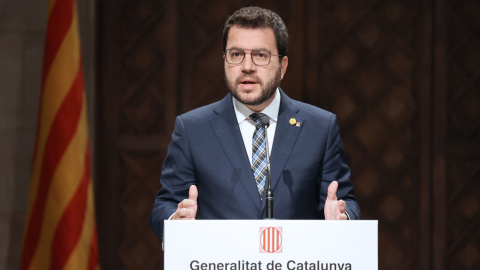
x: 293, y: 121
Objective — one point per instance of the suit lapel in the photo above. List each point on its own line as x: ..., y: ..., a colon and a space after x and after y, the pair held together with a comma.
x: 226, y: 128
x: 286, y: 136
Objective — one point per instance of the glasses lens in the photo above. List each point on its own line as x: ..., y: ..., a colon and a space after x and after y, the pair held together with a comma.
x: 260, y: 57
x: 235, y: 56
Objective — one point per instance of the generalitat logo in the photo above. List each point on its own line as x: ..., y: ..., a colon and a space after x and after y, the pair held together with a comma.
x: 271, y: 240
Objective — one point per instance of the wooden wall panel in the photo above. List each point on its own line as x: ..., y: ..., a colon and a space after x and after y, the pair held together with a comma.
x: 365, y: 62
x: 402, y: 76
x: 137, y: 105
x: 458, y: 144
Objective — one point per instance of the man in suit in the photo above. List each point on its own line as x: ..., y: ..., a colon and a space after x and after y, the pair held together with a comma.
x: 215, y: 166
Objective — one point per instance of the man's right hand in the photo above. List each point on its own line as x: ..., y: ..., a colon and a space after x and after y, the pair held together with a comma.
x: 187, y: 209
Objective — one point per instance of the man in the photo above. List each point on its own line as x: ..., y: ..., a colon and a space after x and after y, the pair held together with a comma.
x: 215, y: 166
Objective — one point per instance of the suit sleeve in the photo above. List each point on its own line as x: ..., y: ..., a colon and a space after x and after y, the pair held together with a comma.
x: 178, y: 174
x: 335, y: 168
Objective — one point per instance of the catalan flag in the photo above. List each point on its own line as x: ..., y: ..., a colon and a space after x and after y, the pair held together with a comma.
x: 60, y: 228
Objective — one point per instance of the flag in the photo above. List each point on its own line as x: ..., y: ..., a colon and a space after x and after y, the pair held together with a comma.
x: 60, y: 227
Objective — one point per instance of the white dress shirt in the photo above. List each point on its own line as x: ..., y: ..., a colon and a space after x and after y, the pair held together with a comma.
x: 247, y: 126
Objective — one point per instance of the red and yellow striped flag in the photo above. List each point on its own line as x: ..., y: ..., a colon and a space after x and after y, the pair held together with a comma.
x: 60, y: 228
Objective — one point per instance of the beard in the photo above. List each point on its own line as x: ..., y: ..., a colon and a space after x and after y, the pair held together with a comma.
x: 267, y: 89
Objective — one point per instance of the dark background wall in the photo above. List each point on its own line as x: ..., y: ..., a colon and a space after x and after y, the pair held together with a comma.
x: 402, y: 76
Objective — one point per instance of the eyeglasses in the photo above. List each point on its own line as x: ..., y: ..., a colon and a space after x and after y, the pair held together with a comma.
x: 259, y: 57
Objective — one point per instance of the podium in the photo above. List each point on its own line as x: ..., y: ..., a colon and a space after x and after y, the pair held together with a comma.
x: 271, y: 245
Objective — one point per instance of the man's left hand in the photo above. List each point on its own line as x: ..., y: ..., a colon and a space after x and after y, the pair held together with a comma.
x: 334, y: 209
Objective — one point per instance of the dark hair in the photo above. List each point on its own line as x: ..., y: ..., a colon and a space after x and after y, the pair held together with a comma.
x: 255, y: 17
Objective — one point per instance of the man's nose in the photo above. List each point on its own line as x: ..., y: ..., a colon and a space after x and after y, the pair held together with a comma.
x: 248, y: 66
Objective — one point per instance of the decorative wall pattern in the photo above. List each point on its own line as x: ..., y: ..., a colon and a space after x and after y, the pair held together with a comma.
x: 462, y: 136
x: 402, y: 76
x: 366, y: 61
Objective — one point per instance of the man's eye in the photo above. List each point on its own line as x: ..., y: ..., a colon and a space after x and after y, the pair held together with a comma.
x: 260, y: 54
x: 236, y: 54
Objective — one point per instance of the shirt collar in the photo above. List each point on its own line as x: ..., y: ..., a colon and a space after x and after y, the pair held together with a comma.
x: 243, y: 112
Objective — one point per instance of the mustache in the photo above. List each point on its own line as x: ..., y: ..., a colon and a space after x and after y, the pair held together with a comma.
x: 251, y: 77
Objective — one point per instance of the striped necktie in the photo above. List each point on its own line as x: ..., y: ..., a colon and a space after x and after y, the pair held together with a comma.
x: 259, y: 153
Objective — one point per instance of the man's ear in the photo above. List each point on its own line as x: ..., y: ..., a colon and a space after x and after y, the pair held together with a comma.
x: 284, y: 65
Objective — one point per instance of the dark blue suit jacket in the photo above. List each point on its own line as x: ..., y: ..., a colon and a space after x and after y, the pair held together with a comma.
x: 207, y: 150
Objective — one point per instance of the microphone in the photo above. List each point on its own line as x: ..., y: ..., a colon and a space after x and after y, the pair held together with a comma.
x: 269, y: 195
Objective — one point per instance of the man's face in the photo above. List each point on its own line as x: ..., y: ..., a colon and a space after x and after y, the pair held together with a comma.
x: 254, y: 85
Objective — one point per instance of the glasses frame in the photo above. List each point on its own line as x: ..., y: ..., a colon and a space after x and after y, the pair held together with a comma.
x: 251, y: 56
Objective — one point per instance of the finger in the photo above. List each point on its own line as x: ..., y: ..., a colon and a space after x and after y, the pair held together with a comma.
x: 193, y: 193
x: 341, y: 206
x: 187, y: 203
x: 332, y: 191
x: 330, y: 210
x: 184, y: 213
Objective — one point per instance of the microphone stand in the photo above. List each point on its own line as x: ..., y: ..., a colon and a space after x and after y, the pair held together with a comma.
x: 269, y: 194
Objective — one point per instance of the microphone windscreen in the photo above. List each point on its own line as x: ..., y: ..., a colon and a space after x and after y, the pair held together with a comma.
x: 265, y: 121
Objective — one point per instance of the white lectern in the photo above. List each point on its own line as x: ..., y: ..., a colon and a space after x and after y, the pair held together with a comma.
x: 271, y: 245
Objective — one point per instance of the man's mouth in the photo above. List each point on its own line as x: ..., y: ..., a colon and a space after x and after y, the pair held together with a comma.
x: 248, y: 82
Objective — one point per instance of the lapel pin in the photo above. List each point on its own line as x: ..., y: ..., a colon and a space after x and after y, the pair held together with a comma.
x: 293, y: 121
x: 298, y: 124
